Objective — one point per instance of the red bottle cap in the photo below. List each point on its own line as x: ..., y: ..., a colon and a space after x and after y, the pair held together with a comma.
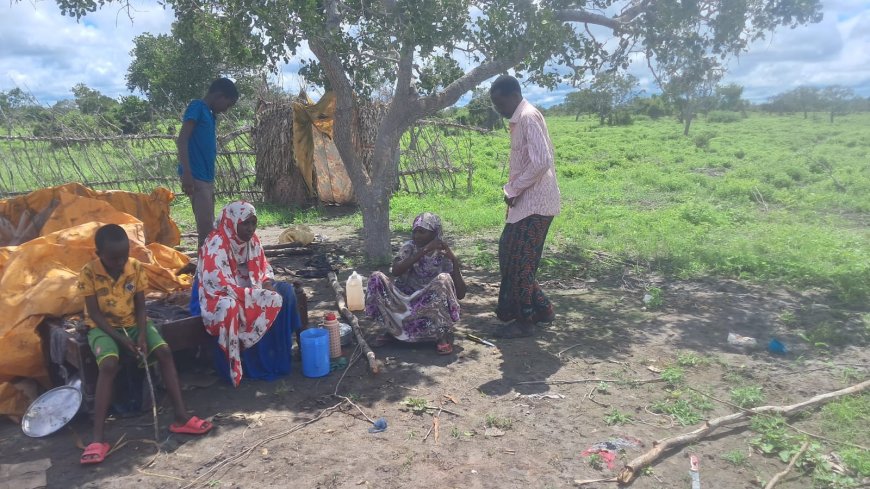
x: 330, y: 316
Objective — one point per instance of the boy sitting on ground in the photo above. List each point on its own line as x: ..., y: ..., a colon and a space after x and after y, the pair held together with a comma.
x: 113, y: 287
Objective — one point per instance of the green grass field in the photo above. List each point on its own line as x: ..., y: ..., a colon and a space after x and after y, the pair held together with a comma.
x: 775, y: 199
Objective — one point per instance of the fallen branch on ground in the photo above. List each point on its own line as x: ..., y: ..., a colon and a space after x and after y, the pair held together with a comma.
x: 795, y: 428
x: 773, y: 482
x: 583, y: 381
x: 278, y: 250
x: 350, y: 317
x: 244, y: 453
x: 570, y: 347
x: 633, y: 468
x: 594, y: 481
x: 287, y: 252
x: 282, y: 246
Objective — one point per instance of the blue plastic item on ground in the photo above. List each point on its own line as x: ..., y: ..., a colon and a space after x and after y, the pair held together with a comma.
x: 315, y: 352
x: 379, y: 426
x: 777, y: 347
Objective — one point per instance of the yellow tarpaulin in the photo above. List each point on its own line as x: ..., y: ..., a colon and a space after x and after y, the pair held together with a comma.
x: 38, y: 278
x: 315, y: 153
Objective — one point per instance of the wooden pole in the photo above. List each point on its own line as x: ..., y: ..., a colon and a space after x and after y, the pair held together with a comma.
x: 350, y: 317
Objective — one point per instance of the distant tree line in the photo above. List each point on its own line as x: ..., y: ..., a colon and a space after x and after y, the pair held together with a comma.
x: 615, y: 99
x: 88, y: 112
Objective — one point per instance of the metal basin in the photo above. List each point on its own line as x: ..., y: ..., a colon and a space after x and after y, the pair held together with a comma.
x: 51, y: 411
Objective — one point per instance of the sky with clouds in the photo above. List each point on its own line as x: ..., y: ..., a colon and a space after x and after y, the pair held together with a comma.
x: 46, y: 53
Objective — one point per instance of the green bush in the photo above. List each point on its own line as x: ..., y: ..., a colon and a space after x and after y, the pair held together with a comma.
x: 723, y: 117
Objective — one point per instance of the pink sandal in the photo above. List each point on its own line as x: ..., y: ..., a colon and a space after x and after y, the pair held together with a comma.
x: 444, y: 348
x: 194, y: 426
x: 95, y: 453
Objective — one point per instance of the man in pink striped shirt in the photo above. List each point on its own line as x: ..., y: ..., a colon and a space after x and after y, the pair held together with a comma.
x: 533, y: 199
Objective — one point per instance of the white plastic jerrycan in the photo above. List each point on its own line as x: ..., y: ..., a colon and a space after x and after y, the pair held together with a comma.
x: 355, y: 295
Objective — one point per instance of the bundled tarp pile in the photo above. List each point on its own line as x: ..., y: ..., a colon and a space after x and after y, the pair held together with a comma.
x: 46, y: 237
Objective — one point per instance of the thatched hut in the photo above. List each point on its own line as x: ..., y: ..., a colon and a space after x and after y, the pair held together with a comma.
x: 297, y: 161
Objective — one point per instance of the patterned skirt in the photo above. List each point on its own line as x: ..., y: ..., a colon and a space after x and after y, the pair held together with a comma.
x: 519, y: 254
x: 425, y: 315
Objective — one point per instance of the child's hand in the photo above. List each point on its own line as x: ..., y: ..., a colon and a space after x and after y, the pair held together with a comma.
x: 143, y: 342
x: 128, y: 344
x: 187, y: 184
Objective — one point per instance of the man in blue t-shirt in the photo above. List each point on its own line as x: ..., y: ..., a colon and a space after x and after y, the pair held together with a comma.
x: 197, y: 151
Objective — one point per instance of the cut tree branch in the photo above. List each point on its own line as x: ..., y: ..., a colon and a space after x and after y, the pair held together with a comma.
x: 633, y: 468
x: 350, y: 317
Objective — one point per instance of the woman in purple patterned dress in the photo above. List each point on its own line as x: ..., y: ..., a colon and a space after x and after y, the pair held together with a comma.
x: 423, y: 302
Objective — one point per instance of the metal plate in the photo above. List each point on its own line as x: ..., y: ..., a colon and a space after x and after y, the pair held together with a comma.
x: 51, y: 411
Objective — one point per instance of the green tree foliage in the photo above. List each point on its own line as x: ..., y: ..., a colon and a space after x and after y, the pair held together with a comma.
x: 608, y: 97
x: 363, y: 48
x: 481, y: 113
x: 688, y: 82
x: 837, y: 100
x: 92, y: 102
x: 131, y: 114
x: 801, y: 99
x: 172, y: 69
x: 729, y: 97
x: 654, y: 106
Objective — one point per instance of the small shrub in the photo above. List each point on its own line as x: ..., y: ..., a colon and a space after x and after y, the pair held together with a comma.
x: 702, y: 140
x: 736, y: 458
x: 681, y: 410
x: 723, y: 117
x: 673, y: 375
x: 653, y: 298
x: 615, y: 417
x: 596, y: 461
x: 690, y: 360
x: 493, y: 421
x: 747, y: 397
x: 417, y: 405
x: 740, y: 154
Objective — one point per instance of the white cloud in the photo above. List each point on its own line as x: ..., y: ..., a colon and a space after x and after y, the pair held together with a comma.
x: 832, y: 52
x: 47, y: 53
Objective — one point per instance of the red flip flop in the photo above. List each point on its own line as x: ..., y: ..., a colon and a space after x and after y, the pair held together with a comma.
x: 194, y: 426
x: 444, y: 348
x: 95, y: 453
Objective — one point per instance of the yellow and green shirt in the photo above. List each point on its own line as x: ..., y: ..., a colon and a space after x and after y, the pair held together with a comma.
x: 115, y: 297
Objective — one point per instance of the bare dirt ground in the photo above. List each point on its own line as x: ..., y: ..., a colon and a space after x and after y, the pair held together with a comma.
x: 603, y: 331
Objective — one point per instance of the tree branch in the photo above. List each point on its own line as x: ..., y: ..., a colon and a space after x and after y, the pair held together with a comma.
x: 587, y: 17
x: 451, y: 93
x: 344, y: 127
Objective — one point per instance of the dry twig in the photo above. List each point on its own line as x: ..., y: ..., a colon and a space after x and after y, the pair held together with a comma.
x: 583, y: 381
x: 773, y: 482
x: 247, y: 451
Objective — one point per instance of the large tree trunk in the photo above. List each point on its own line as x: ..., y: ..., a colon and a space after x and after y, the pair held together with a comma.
x: 687, y: 123
x: 375, y: 209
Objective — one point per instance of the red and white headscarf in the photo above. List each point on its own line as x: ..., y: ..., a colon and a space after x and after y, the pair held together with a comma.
x: 235, y: 306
